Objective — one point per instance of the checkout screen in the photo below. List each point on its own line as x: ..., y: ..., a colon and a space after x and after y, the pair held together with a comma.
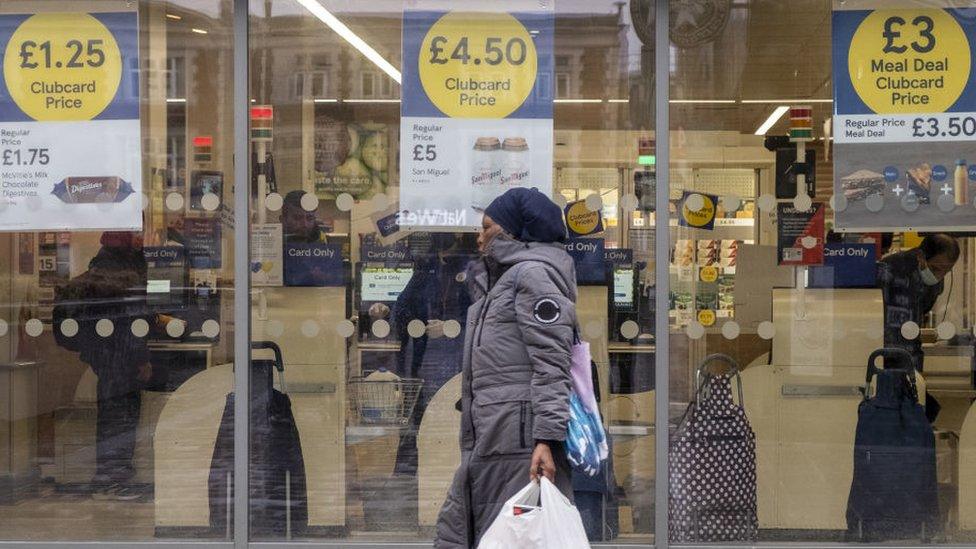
x: 623, y: 287
x: 384, y: 283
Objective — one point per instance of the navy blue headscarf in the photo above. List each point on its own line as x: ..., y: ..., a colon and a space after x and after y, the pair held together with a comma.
x: 528, y: 215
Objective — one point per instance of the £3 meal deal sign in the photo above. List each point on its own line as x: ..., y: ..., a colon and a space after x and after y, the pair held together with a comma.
x: 476, y: 108
x: 904, y: 117
x: 70, y: 148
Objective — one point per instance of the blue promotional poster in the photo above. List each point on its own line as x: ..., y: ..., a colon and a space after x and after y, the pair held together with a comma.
x: 904, y: 117
x: 476, y: 108
x: 618, y: 256
x: 313, y: 265
x: 66, y: 77
x: 373, y: 251
x: 846, y: 266
x: 588, y: 255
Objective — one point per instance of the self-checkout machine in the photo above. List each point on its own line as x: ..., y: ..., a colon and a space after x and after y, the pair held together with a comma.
x: 309, y: 323
x: 802, y: 403
x: 802, y: 400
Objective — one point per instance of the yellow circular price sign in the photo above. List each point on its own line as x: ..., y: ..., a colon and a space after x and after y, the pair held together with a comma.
x: 708, y: 274
x: 700, y: 217
x: 706, y: 317
x: 580, y: 219
x: 62, y: 67
x: 478, y: 65
x: 909, y: 61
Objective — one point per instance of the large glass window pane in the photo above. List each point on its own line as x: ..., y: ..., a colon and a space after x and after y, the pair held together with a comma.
x: 116, y: 140
x: 795, y: 260
x: 357, y: 437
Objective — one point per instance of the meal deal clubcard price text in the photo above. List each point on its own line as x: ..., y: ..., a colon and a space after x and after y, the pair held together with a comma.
x: 904, y: 117
x: 70, y: 144
x: 904, y: 75
x: 476, y: 107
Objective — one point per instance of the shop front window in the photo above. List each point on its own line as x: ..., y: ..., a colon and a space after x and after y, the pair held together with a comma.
x: 819, y: 213
x: 365, y: 258
x: 115, y: 331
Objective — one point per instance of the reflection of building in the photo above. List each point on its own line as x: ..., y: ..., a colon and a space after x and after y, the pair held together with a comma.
x: 306, y: 71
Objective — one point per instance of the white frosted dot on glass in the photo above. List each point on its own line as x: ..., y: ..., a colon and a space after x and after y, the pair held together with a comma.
x: 275, y: 328
x: 629, y: 329
x: 695, y: 202
x: 838, y: 202
x: 731, y: 202
x: 461, y: 277
x: 766, y: 330
x: 808, y: 242
x: 874, y: 203
x: 274, y: 202
x: 69, y: 327
x: 947, y: 203
x: 145, y: 201
x: 310, y: 328
x: 104, y: 327
x: 594, y: 202
x: 380, y: 202
x: 34, y: 327
x: 175, y: 328
x: 946, y: 330
x: 210, y: 202
x: 3, y: 327
x: 344, y: 202
x: 629, y: 202
x: 695, y: 330
x: 766, y: 202
x: 910, y: 203
x: 174, y: 202
x: 560, y: 200
x: 345, y: 328
x: 416, y: 328
x: 210, y: 328
x: 910, y: 330
x: 139, y: 328
x: 802, y: 202
x: 452, y: 328
x: 310, y: 202
x: 593, y: 329
x: 380, y: 328
x: 730, y: 330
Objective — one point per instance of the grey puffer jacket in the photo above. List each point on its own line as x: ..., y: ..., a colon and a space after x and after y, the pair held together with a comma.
x: 515, y: 385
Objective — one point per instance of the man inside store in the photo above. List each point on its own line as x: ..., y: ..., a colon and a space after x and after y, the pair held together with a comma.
x: 96, y: 315
x: 911, y: 282
x: 299, y: 225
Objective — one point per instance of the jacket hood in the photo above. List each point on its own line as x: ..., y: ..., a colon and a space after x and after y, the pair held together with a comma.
x: 508, y: 252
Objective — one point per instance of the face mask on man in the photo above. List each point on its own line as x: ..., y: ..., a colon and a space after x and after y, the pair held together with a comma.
x: 928, y: 277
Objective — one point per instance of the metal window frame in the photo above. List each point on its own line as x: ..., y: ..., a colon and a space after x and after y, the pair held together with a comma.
x: 662, y: 274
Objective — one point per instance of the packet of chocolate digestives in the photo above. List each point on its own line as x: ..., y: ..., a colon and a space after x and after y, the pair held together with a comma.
x: 92, y: 190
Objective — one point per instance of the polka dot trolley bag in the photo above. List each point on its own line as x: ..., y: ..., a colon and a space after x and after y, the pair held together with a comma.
x: 712, y: 463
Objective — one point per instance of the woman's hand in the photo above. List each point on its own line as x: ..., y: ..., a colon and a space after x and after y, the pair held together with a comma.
x: 542, y: 463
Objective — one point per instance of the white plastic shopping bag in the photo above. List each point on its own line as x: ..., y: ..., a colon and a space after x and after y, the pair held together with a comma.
x: 538, y: 517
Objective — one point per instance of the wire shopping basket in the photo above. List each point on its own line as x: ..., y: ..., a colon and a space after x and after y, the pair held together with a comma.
x: 384, y: 402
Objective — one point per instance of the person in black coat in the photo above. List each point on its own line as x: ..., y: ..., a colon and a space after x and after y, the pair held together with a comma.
x: 103, y: 303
